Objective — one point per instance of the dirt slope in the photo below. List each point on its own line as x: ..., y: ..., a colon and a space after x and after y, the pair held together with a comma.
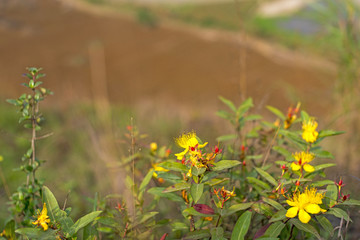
x: 154, y: 66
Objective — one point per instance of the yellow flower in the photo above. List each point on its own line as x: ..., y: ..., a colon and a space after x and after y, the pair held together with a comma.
x: 303, y: 159
x: 309, y: 131
x: 42, y: 218
x: 305, y: 203
x: 188, y: 141
x: 153, y: 146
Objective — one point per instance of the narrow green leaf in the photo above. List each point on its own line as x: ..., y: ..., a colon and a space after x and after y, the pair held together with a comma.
x: 37, y: 233
x: 228, y: 103
x: 215, y: 181
x: 224, y: 114
x: 54, y: 212
x: 241, y: 226
x: 280, y: 215
x: 273, y: 203
x: 244, y: 107
x: 196, y: 191
x: 282, y: 151
x: 277, y: 112
x: 326, y: 133
x: 351, y: 202
x: 322, y: 166
x: 226, y: 138
x: 158, y: 191
x: 83, y: 221
x: 305, y: 227
x: 198, y: 234
x: 258, y: 182
x: 174, y: 166
x: 267, y: 176
x: 217, y: 233
x: 146, y: 180
x: 325, y: 223
x: 339, y: 213
x: 253, y: 117
x: 275, y: 229
x: 323, y: 154
x: 322, y: 183
x: 144, y: 217
x: 177, y: 187
x: 331, y: 195
x: 304, y: 116
x: 235, y: 208
x: 224, y: 164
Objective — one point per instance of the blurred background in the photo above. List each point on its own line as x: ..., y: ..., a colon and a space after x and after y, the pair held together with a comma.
x: 161, y: 65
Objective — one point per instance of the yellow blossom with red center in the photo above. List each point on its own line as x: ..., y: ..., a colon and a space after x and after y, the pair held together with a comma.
x: 309, y: 131
x: 302, y: 161
x: 304, y: 204
x: 42, y: 219
x: 190, y: 144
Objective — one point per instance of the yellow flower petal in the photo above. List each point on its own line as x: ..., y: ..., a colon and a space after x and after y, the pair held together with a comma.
x: 295, y: 167
x: 292, y: 212
x: 312, y: 208
x: 291, y: 203
x: 309, y: 168
x: 304, y: 217
x: 202, y: 145
x: 181, y: 155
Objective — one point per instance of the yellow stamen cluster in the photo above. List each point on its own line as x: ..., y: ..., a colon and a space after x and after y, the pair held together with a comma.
x: 302, y: 161
x: 304, y: 203
x: 190, y: 144
x: 42, y: 219
x: 309, y: 131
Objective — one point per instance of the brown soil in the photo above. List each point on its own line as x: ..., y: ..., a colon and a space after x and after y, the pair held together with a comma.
x: 164, y: 67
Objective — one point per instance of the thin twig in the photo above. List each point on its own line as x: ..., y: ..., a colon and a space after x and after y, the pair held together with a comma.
x: 44, y: 136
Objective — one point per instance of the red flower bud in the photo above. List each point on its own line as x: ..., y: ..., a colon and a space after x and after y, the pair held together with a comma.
x: 297, y: 183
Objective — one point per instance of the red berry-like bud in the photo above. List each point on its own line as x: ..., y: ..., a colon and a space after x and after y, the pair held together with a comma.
x: 244, y: 163
x: 216, y: 150
x: 192, y: 149
x: 283, y: 167
x: 297, y: 183
x: 340, y: 182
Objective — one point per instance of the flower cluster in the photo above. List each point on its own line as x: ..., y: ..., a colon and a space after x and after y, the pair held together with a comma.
x: 42, y: 218
x: 192, y: 153
x: 291, y: 116
x: 305, y: 203
x: 302, y: 162
x: 309, y: 130
x: 223, y: 195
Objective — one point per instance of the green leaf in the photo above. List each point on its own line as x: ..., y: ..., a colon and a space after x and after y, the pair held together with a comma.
x: 215, y: 181
x: 37, y: 233
x: 262, y: 208
x: 339, y: 213
x: 244, y: 107
x: 146, y: 180
x: 267, y: 176
x: 258, y: 182
x: 304, y: 116
x: 326, y: 133
x: 177, y: 187
x: 253, y: 117
x: 54, y: 212
x: 305, y: 227
x: 198, y: 234
x: 158, y: 191
x: 235, y: 208
x: 331, y: 195
x: 228, y: 103
x: 10, y: 229
x: 325, y: 223
x: 280, y: 215
x: 351, y: 202
x: 144, y: 217
x: 217, y: 233
x: 226, y: 137
x: 241, y: 226
x: 322, y: 166
x: 273, y: 203
x: 277, y: 112
x: 174, y: 166
x: 275, y: 229
x: 224, y: 114
x: 224, y: 164
x: 282, y: 151
x: 83, y: 221
x: 323, y: 154
x: 196, y: 191
x: 322, y: 183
